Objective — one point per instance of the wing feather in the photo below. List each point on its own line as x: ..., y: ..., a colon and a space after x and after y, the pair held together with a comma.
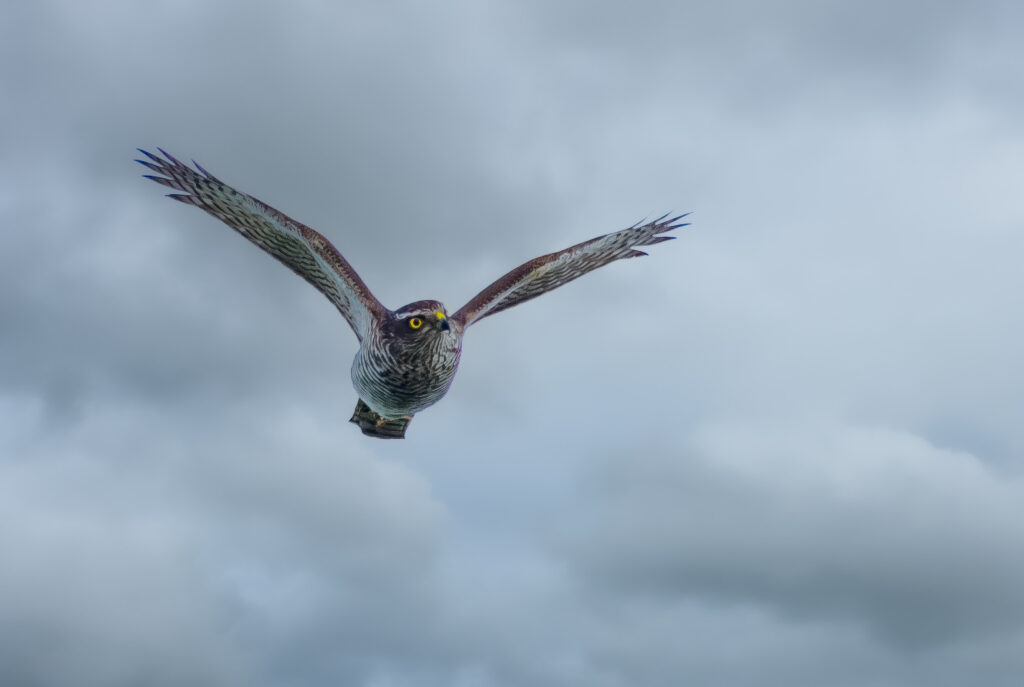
x: 305, y: 251
x: 548, y: 272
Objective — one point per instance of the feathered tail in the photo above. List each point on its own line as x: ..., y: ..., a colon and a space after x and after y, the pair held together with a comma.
x: 373, y: 425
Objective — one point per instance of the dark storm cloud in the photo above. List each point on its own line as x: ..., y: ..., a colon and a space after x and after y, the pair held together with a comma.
x: 781, y: 450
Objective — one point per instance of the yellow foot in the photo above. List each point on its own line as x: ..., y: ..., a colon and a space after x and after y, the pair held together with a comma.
x: 383, y: 420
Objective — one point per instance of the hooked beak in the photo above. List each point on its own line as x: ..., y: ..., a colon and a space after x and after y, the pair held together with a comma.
x: 442, y: 321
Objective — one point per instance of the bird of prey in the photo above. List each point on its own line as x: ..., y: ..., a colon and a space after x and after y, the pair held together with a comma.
x: 407, y: 357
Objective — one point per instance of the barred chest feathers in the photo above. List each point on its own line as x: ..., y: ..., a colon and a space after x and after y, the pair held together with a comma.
x: 408, y: 364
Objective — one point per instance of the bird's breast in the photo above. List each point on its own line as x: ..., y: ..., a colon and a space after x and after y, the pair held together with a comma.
x: 396, y: 380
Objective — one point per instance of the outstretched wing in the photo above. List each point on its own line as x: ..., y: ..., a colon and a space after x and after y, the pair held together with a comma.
x: 548, y: 272
x: 302, y: 249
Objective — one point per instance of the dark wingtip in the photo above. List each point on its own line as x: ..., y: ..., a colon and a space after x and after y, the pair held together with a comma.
x: 674, y: 223
x: 662, y: 220
x: 148, y: 154
x: 162, y: 180
x: 170, y: 157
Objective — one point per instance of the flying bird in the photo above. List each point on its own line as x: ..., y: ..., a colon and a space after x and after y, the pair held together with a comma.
x: 407, y: 357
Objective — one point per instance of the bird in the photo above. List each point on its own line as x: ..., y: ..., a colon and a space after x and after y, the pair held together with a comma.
x: 407, y: 358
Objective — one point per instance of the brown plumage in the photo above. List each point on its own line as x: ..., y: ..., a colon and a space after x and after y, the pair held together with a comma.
x: 407, y: 357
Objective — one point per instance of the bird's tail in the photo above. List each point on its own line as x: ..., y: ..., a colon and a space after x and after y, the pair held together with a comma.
x: 373, y: 425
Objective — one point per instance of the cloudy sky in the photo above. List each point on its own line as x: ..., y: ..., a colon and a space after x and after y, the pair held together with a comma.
x: 784, y: 449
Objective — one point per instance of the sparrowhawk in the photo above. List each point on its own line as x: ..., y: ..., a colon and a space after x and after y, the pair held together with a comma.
x: 407, y: 357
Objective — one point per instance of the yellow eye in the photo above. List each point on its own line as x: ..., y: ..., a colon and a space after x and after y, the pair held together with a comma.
x: 415, y: 323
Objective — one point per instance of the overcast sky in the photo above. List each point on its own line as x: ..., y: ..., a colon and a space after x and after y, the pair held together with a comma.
x: 786, y: 449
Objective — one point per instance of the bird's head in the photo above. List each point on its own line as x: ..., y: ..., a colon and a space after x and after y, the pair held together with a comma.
x: 420, y: 320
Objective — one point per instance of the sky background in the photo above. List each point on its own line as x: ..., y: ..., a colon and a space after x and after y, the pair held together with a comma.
x: 785, y: 449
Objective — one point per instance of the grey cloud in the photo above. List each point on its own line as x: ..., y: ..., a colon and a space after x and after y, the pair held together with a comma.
x: 781, y: 450
x: 143, y: 556
x: 868, y: 526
